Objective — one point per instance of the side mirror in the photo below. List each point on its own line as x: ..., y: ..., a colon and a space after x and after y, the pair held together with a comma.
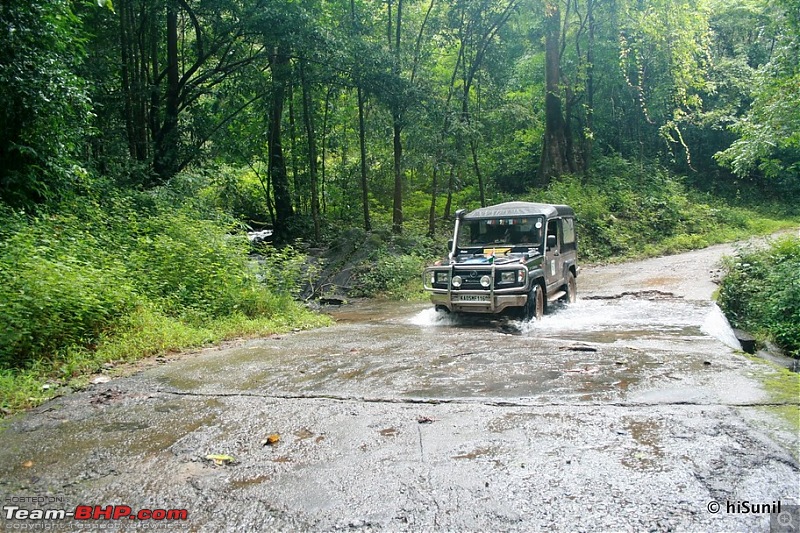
x: 552, y: 240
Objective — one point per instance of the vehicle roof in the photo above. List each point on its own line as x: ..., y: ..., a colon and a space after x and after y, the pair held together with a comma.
x: 518, y: 209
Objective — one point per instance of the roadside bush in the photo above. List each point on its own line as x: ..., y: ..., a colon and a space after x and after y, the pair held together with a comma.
x: 760, y: 292
x: 391, y: 276
x: 57, y: 288
x: 282, y: 270
x: 393, y: 264
x: 625, y: 209
x: 69, y: 278
x: 192, y: 267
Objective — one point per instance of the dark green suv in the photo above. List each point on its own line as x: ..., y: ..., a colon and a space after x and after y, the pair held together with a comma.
x: 515, y: 257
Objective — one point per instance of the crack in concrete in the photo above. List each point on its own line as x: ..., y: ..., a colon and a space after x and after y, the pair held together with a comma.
x: 467, y: 401
x: 649, y: 294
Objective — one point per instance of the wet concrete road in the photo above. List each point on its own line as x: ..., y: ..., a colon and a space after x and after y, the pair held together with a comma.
x: 626, y: 411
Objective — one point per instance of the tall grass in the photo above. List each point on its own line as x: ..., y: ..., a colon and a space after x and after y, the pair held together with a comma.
x: 122, y: 277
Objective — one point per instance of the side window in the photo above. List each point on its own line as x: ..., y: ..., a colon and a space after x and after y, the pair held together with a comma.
x: 552, y: 231
x: 568, y: 227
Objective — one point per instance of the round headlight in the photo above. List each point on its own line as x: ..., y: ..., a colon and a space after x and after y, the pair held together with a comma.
x: 486, y: 281
x: 456, y: 281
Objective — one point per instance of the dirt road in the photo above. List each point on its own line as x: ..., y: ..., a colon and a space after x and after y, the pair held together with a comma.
x: 627, y: 411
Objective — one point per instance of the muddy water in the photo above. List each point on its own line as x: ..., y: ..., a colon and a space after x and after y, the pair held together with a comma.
x: 626, y: 349
x: 628, y: 410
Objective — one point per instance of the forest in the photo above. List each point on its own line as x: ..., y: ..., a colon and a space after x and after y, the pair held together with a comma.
x: 140, y: 140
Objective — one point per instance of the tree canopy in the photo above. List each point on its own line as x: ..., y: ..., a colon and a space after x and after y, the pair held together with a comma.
x: 399, y: 108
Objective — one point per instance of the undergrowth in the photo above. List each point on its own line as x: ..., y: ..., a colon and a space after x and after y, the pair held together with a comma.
x: 122, y: 277
x: 760, y: 292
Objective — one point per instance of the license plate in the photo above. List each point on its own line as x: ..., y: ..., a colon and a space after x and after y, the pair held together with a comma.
x: 473, y: 298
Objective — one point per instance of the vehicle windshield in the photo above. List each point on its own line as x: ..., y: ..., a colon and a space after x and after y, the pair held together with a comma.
x: 515, y: 232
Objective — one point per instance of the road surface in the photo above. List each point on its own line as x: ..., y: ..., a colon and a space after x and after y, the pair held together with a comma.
x: 627, y: 411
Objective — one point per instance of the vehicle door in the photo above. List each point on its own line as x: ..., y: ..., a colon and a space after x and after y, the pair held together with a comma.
x: 554, y: 262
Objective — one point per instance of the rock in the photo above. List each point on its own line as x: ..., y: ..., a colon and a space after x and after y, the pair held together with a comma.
x: 747, y: 341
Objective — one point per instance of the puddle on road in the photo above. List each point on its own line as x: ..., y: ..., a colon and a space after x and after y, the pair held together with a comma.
x: 648, y: 455
x: 139, y: 432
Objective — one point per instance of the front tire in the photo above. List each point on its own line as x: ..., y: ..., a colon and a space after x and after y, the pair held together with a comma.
x: 534, y: 307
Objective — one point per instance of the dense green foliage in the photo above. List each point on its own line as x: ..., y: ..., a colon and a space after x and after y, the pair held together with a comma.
x: 126, y: 275
x: 44, y: 104
x: 322, y: 114
x: 761, y: 292
x: 624, y: 210
x: 627, y: 209
x: 139, y: 138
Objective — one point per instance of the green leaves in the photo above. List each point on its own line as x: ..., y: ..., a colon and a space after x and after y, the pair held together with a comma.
x: 761, y: 292
x: 70, y: 279
x: 45, y: 109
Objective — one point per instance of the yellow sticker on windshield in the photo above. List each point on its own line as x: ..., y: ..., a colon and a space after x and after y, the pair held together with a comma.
x: 496, y: 251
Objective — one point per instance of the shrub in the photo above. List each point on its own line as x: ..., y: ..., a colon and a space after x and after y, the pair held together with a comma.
x: 71, y: 277
x: 391, y: 276
x: 282, y: 270
x: 57, y: 288
x: 760, y: 292
x: 625, y: 209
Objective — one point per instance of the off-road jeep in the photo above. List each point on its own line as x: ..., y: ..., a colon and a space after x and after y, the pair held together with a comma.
x: 514, y: 257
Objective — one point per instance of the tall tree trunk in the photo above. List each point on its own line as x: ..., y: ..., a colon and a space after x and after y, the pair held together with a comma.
x: 362, y: 143
x: 432, y: 211
x: 308, y: 119
x: 324, y: 159
x: 481, y: 188
x: 588, y: 134
x: 450, y: 186
x: 153, y: 114
x: 397, y: 208
x: 134, y: 76
x: 126, y: 72
x: 362, y: 135
x: 280, y: 181
x: 554, y: 146
x: 297, y: 193
x: 165, y: 164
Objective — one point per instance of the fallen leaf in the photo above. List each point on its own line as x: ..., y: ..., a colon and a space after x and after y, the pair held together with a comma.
x: 27, y: 464
x: 220, y: 459
x: 271, y: 440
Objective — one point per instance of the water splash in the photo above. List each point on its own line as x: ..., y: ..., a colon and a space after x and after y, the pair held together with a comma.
x: 432, y: 318
x: 718, y: 327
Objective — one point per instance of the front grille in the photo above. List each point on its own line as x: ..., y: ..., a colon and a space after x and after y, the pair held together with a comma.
x: 471, y: 279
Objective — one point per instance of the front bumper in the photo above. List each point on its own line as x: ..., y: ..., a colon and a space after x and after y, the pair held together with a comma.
x: 490, y: 300
x: 493, y: 304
